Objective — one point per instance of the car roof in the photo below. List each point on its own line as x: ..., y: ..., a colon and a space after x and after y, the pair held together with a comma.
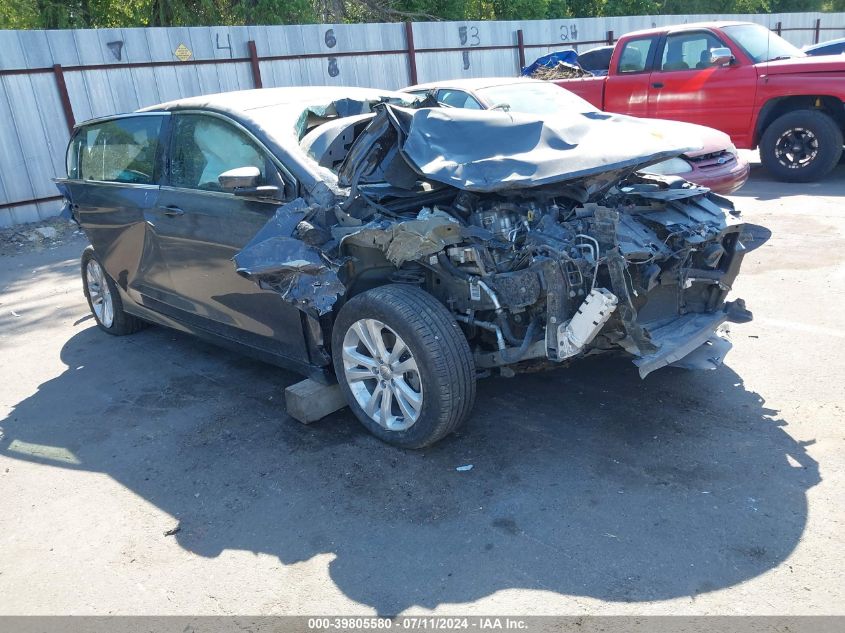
x: 244, y: 100
x: 840, y: 40
x: 677, y: 28
x: 476, y: 83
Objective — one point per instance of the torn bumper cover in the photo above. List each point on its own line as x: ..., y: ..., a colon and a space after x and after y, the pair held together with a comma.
x: 553, y: 250
x: 691, y: 341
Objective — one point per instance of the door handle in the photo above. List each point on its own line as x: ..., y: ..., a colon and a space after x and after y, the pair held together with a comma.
x: 657, y: 84
x: 173, y: 211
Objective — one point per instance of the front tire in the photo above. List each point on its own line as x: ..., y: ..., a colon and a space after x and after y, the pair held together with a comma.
x: 801, y: 146
x: 403, y: 365
x: 104, y: 299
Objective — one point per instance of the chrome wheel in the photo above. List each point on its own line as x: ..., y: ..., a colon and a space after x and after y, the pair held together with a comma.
x: 382, y: 374
x: 796, y: 148
x: 99, y: 294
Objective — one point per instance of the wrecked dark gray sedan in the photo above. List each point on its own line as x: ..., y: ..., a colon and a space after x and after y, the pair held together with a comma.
x: 401, y: 248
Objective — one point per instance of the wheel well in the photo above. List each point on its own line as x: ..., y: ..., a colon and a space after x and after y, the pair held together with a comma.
x: 775, y: 108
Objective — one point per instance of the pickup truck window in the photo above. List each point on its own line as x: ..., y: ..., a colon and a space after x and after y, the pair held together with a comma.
x: 760, y: 44
x: 635, y: 55
x: 685, y: 51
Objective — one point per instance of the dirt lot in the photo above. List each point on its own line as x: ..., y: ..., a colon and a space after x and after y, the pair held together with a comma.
x: 591, y: 491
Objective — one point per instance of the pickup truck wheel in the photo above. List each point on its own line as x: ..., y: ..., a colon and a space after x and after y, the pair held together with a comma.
x: 801, y: 146
x: 403, y: 365
x: 104, y: 299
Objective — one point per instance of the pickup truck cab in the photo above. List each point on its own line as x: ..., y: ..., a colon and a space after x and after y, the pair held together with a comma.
x: 737, y: 77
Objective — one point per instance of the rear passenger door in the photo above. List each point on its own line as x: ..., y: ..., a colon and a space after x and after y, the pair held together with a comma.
x: 200, y: 226
x: 114, y: 167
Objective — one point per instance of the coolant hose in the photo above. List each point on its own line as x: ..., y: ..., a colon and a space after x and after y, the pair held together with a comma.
x: 519, y: 353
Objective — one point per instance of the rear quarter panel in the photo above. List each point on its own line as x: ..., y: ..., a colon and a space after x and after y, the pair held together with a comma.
x: 589, y: 88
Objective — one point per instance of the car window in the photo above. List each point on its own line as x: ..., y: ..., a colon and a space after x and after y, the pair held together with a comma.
x: 457, y: 99
x: 596, y: 59
x: 833, y: 49
x: 688, y: 51
x: 634, y: 55
x: 203, y: 147
x: 122, y: 150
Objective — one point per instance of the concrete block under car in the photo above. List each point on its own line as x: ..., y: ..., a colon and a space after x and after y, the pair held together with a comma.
x: 309, y: 401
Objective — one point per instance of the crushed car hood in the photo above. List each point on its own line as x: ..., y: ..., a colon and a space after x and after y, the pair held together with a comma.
x: 487, y: 151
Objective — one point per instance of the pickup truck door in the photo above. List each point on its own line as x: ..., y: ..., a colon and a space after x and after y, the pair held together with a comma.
x: 684, y: 85
x: 627, y: 84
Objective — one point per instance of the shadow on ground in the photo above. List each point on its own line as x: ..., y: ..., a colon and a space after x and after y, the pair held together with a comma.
x: 585, y: 481
x: 762, y: 186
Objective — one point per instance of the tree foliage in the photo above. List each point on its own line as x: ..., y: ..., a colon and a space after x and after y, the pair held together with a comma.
x: 59, y: 14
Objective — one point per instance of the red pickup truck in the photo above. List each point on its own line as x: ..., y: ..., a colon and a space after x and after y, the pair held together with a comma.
x: 736, y: 77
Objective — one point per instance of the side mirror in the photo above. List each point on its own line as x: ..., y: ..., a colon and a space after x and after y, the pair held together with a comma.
x: 721, y: 56
x: 243, y: 181
x: 239, y: 178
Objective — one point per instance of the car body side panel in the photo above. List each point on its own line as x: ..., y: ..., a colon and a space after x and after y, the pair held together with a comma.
x: 113, y: 217
x: 589, y: 88
x: 197, y: 248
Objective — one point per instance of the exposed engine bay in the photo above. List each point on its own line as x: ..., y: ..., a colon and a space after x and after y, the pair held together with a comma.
x: 540, y: 260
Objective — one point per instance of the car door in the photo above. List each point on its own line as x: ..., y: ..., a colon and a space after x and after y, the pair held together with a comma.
x: 114, y: 167
x: 686, y: 87
x: 627, y: 85
x: 200, y: 226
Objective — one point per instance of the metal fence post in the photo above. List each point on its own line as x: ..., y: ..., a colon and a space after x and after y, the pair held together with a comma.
x: 778, y: 28
x: 520, y: 44
x: 818, y: 28
x: 412, y: 52
x: 64, y: 96
x: 253, y: 61
x: 610, y: 38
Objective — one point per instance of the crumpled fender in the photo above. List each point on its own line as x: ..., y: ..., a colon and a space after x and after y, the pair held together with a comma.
x: 276, y: 260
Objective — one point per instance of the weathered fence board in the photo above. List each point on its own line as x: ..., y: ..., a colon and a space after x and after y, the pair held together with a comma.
x: 106, y: 71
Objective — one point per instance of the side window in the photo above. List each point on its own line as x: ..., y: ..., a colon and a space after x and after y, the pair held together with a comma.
x: 122, y: 150
x: 687, y: 51
x: 203, y: 147
x: 634, y: 55
x: 457, y: 99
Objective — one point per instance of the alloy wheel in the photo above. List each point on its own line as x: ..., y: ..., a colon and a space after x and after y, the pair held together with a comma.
x: 796, y: 148
x: 99, y: 294
x: 382, y: 374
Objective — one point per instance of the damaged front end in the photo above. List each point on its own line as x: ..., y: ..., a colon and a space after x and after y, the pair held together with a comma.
x: 552, y: 250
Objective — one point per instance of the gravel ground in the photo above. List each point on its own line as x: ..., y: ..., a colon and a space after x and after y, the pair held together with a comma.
x: 591, y: 492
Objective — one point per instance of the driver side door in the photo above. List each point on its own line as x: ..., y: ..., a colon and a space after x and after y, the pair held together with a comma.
x: 685, y: 86
x: 200, y: 226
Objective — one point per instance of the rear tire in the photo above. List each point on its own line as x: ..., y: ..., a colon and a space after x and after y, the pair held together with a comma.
x: 104, y: 299
x: 398, y: 345
x: 801, y: 146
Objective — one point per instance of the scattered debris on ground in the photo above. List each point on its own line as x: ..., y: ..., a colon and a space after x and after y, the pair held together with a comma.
x: 173, y: 530
x: 36, y: 236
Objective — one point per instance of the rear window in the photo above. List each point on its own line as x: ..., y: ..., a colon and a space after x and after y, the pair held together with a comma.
x: 123, y: 150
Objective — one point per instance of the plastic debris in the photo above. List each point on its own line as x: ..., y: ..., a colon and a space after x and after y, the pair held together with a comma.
x: 463, y: 469
x: 173, y: 530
